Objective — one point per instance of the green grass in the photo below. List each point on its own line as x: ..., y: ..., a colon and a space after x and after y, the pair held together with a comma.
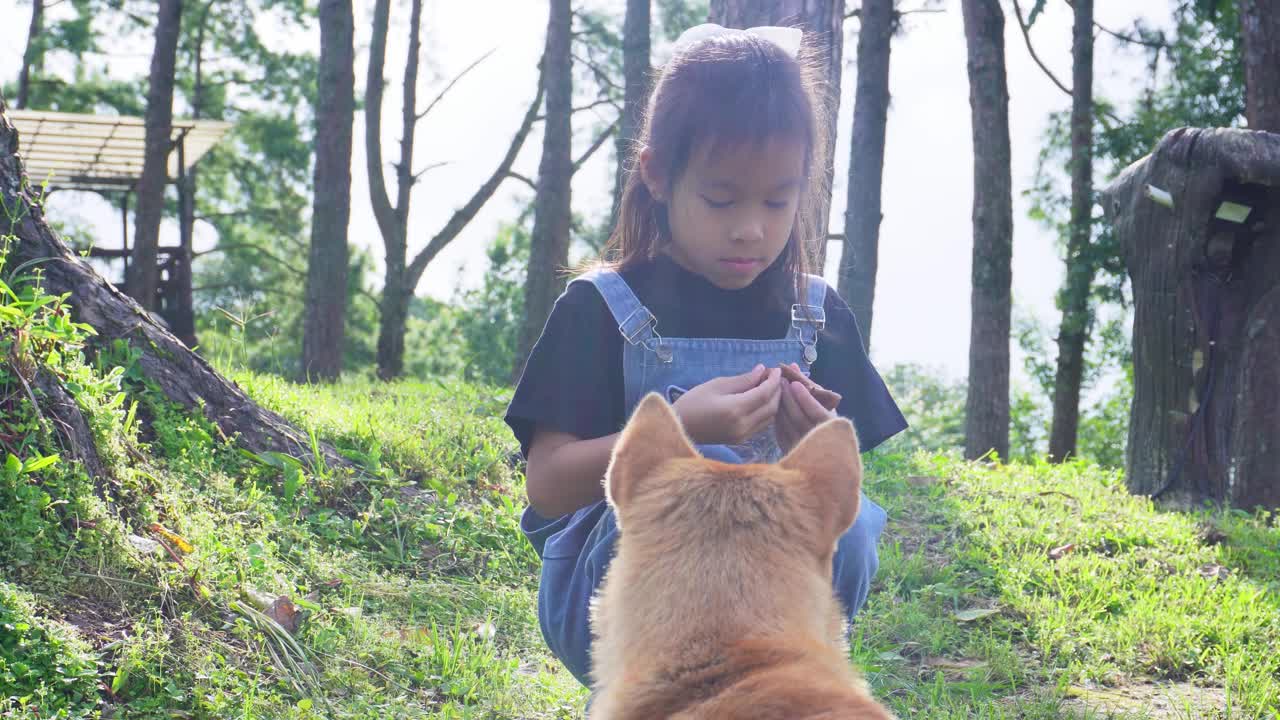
x: 1146, y: 604
x: 418, y: 590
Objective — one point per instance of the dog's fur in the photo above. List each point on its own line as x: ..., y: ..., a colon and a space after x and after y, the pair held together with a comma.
x: 719, y: 601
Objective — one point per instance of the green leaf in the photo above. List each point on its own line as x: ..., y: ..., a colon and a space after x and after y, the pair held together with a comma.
x: 1035, y: 12
x: 975, y: 614
x: 130, y: 417
x: 118, y: 682
x: 292, y: 481
x: 13, y: 465
x: 38, y: 464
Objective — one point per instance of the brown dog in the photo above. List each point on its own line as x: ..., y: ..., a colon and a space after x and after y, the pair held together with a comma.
x: 718, y: 603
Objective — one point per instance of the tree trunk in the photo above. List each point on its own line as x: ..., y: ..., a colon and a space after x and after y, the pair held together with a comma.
x: 635, y: 73
x: 186, y: 378
x: 143, y: 272
x: 987, y: 407
x: 1206, y: 326
x: 823, y: 24
x: 860, y: 254
x: 182, y: 318
x: 394, y: 314
x: 1077, y: 313
x: 31, y: 57
x: 393, y: 219
x: 1260, y: 31
x: 549, y: 251
x: 402, y: 275
x: 323, y: 333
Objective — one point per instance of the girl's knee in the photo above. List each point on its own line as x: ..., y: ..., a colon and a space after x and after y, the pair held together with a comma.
x: 862, y: 537
x: 856, y: 558
x: 856, y: 552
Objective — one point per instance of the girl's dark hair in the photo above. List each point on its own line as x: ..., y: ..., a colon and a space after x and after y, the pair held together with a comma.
x: 729, y: 90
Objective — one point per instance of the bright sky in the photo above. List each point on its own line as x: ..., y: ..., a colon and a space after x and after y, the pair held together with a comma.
x: 922, y: 290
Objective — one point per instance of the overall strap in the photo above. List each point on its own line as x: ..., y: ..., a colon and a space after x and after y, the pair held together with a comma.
x: 635, y: 322
x: 809, y: 317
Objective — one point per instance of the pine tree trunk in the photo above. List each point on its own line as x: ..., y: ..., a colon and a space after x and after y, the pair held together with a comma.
x: 1260, y: 30
x: 549, y: 251
x: 1077, y: 313
x: 30, y: 57
x: 393, y: 316
x: 635, y: 73
x: 860, y: 254
x: 179, y: 373
x: 823, y: 24
x: 987, y: 408
x: 1206, y: 326
x: 323, y: 334
x: 144, y: 274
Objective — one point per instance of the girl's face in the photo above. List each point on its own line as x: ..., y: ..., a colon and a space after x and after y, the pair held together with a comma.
x: 731, y: 212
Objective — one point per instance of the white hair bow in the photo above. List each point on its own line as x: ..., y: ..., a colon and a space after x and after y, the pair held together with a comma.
x: 787, y: 38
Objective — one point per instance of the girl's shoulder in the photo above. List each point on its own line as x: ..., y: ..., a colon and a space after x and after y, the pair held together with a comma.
x: 581, y: 306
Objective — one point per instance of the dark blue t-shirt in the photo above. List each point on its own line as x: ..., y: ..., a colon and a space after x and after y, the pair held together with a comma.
x: 573, y: 383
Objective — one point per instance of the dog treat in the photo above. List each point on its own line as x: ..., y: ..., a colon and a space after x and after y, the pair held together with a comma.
x: 829, y: 399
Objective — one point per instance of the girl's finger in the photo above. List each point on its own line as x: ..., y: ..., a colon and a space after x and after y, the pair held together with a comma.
x: 788, y: 406
x: 761, y: 395
x: 789, y: 417
x: 813, y: 411
x: 759, y: 418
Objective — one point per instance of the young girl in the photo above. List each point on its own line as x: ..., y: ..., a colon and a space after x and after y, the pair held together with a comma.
x: 704, y: 298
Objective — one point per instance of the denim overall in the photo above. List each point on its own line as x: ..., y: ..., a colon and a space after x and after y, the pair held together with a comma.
x: 576, y: 549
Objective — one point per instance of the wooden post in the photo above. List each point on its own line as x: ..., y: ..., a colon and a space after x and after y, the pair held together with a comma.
x: 1198, y: 221
x: 179, y: 301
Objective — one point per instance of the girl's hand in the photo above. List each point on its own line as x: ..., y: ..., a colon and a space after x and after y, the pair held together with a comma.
x: 728, y: 410
x: 798, y: 413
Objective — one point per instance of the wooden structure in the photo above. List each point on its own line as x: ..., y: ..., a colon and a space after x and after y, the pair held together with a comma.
x: 1198, y: 222
x: 104, y: 154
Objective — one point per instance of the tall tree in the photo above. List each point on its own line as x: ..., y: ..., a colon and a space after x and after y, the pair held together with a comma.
x: 987, y: 407
x: 1260, y: 30
x: 56, y: 75
x: 860, y: 253
x: 635, y: 75
x: 323, y: 327
x: 1077, y: 316
x: 823, y: 23
x: 143, y: 272
x: 549, y: 251
x: 31, y: 56
x: 229, y: 69
x: 402, y: 274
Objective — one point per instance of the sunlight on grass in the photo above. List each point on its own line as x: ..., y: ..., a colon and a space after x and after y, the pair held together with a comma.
x: 1022, y: 591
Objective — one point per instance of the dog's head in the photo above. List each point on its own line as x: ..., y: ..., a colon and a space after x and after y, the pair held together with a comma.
x: 662, y: 490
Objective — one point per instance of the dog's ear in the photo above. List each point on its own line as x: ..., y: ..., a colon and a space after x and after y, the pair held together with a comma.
x: 828, y: 457
x: 652, y: 436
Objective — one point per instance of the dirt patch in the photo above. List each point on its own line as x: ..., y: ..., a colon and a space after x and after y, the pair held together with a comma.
x: 1149, y: 700
x: 920, y: 530
x: 99, y: 622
